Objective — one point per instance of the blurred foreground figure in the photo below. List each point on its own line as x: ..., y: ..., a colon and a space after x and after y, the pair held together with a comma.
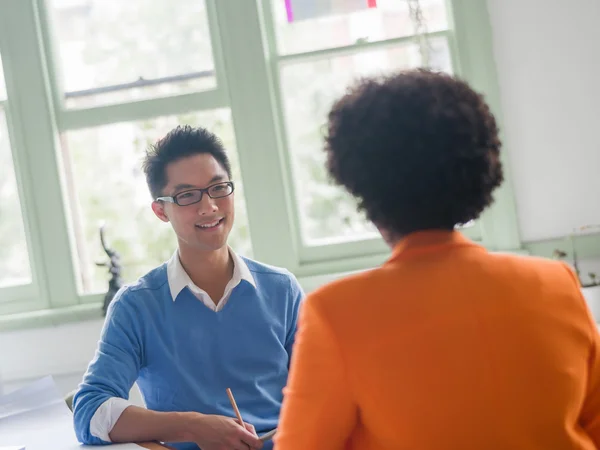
x: 446, y: 346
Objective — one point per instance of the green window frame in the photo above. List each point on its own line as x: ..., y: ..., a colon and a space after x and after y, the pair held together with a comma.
x: 247, y: 74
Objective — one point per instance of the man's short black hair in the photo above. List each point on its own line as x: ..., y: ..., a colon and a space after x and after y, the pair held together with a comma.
x: 181, y: 142
x: 418, y: 149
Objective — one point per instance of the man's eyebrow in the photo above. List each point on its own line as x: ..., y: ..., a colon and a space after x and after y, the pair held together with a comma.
x: 217, y: 178
x: 182, y: 186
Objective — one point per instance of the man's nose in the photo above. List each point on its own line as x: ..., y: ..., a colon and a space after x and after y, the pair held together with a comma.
x: 206, y: 205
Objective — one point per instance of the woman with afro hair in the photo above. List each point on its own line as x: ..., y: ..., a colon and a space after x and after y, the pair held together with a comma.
x: 446, y: 345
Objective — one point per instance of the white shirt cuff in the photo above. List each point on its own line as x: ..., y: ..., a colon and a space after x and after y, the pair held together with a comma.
x: 106, y: 416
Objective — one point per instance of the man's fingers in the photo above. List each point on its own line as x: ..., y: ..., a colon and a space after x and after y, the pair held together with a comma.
x: 250, y: 428
x: 248, y: 436
x: 251, y: 440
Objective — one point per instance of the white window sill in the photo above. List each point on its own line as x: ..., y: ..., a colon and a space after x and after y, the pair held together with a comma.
x: 93, y: 310
x: 50, y: 317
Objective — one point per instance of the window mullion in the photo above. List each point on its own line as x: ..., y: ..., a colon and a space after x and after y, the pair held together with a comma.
x: 35, y: 137
x: 250, y: 90
x: 141, y: 110
x: 51, y: 54
x: 273, y: 65
x: 354, y: 48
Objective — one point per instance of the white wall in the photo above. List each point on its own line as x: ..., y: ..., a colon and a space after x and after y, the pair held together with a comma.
x: 63, y: 352
x: 57, y: 350
x: 548, y: 58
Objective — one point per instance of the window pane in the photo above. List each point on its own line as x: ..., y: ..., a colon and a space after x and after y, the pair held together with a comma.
x: 104, y: 43
x: 326, y: 26
x: 109, y: 187
x: 309, y: 89
x: 14, y: 258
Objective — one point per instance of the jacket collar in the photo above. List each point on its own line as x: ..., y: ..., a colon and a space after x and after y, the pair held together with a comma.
x: 428, y: 241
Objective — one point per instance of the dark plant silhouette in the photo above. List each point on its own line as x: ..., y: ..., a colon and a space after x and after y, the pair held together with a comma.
x: 114, y: 268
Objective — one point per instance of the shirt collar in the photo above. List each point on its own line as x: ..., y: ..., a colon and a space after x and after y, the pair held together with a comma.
x: 178, y: 278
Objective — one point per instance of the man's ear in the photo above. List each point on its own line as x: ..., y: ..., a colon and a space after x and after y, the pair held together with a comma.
x: 159, y: 210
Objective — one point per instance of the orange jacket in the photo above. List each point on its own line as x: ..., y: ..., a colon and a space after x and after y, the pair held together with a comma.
x: 446, y: 346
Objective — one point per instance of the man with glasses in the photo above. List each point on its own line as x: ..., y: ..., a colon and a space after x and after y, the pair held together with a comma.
x: 205, y: 321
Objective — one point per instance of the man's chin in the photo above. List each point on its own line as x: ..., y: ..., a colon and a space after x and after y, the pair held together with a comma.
x: 215, y: 244
x: 212, y: 246
x: 196, y: 245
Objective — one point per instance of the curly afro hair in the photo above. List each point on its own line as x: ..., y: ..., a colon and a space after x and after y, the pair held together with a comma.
x: 418, y: 149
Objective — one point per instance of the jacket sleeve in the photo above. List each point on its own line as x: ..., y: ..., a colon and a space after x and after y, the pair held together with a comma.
x: 590, y: 415
x: 318, y: 407
x: 590, y: 412
x: 113, y: 370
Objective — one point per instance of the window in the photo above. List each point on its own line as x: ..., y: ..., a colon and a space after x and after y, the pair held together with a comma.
x: 306, y: 26
x: 14, y: 256
x: 120, y: 53
x: 115, y: 51
x: 90, y: 83
x: 309, y: 88
x: 107, y: 187
x: 320, y: 50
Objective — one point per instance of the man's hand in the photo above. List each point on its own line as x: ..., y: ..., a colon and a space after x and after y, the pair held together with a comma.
x: 212, y: 432
x: 209, y: 432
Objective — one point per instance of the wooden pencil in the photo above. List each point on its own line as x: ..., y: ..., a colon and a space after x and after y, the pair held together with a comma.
x: 235, y: 408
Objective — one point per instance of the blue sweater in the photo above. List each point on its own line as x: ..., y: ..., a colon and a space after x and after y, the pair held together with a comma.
x: 184, y: 356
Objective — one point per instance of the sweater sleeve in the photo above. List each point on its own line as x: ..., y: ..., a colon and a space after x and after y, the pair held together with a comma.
x: 296, y: 297
x: 318, y: 408
x: 113, y: 370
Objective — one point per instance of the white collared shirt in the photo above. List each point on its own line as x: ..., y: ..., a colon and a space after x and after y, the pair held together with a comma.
x: 179, y: 279
x: 109, y: 412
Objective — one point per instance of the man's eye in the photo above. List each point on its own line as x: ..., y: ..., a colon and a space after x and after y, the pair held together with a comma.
x: 220, y: 187
x: 185, y: 195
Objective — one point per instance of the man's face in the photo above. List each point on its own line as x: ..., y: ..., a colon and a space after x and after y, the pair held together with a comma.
x: 204, y: 225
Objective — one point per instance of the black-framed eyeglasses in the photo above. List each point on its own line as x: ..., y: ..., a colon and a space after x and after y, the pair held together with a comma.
x: 191, y: 196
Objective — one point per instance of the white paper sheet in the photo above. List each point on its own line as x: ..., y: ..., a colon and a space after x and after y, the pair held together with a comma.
x: 36, y: 417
